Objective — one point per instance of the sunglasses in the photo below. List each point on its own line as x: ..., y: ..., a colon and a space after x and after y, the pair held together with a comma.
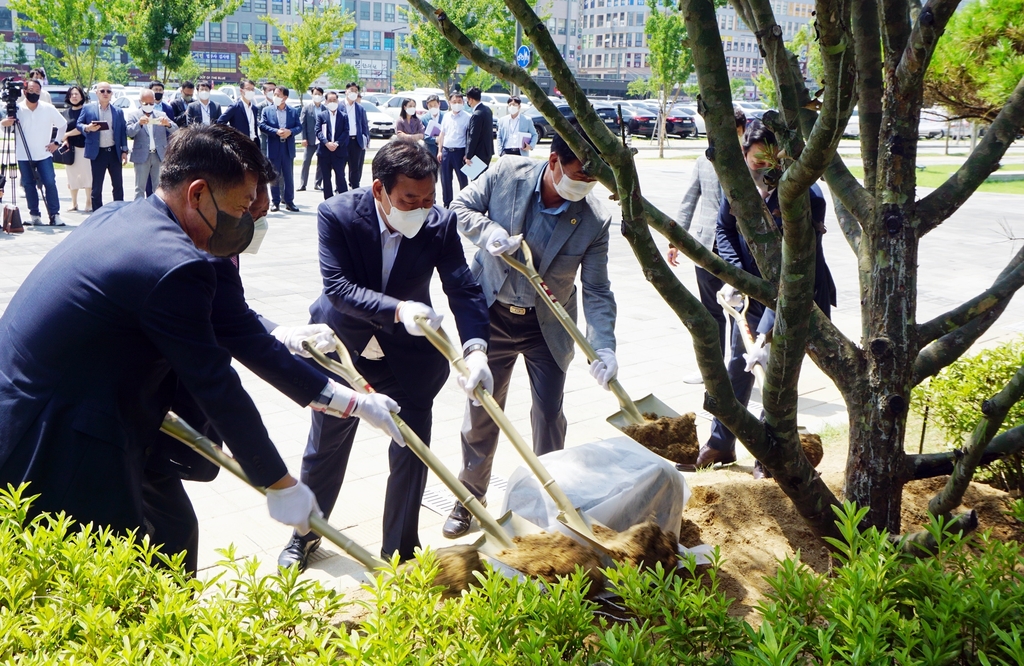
x: 104, y: 92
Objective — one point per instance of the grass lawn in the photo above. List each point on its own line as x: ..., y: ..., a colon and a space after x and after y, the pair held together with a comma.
x: 933, y: 176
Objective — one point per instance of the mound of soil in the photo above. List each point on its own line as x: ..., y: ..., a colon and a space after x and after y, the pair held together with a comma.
x: 671, y: 437
x: 548, y: 555
x: 642, y: 545
x: 812, y: 448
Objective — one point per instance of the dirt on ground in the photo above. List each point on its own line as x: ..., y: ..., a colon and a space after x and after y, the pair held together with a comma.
x: 548, y: 555
x: 672, y: 437
x: 642, y: 545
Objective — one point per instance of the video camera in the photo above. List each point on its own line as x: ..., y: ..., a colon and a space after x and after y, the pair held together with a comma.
x: 10, y: 92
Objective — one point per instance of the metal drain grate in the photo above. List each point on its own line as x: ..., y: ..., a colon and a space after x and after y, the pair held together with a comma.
x: 440, y: 500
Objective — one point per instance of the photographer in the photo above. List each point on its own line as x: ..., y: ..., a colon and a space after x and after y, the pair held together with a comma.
x: 36, y: 121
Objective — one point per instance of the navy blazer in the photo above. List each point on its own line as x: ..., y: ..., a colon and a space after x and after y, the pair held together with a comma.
x: 352, y: 303
x: 90, y: 114
x: 278, y: 148
x: 246, y: 336
x: 236, y: 117
x: 480, y: 135
x: 362, y: 123
x: 193, y: 114
x: 85, y: 349
x: 733, y: 248
x: 323, y: 127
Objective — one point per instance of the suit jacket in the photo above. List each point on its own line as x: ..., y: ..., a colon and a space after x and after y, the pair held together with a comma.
x: 480, y: 136
x: 352, y: 302
x: 698, y: 211
x: 90, y: 114
x: 323, y: 128
x: 179, y: 106
x: 194, y: 113
x: 235, y: 116
x: 276, y: 147
x: 138, y: 132
x: 733, y: 248
x: 502, y: 197
x: 307, y: 118
x: 506, y: 127
x: 362, y: 123
x: 77, y: 412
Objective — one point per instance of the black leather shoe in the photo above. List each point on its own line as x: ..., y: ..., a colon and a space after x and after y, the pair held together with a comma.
x: 275, y: 208
x: 291, y: 208
x: 458, y: 521
x: 301, y: 189
x: 318, y: 188
x: 297, y: 552
x: 709, y: 456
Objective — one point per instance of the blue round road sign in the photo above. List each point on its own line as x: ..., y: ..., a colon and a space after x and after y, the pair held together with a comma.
x: 523, y: 56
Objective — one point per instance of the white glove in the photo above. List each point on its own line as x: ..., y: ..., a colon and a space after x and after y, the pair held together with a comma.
x: 292, y: 337
x: 731, y: 295
x: 293, y: 505
x: 479, y: 375
x: 409, y: 310
x: 375, y: 409
x: 604, y: 368
x: 759, y: 356
x: 499, y: 242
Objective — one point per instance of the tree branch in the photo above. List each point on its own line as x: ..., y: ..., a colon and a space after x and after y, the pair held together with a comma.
x: 848, y: 223
x: 857, y: 199
x: 784, y: 68
x: 952, y: 346
x: 928, y: 27
x: 894, y: 16
x: 933, y: 209
x: 930, y: 465
x: 868, y: 53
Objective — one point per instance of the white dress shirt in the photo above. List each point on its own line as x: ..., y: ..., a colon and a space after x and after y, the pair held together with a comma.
x: 350, y: 107
x: 454, y: 127
x: 38, y: 128
x: 389, y: 242
x: 253, y: 133
x: 204, y: 109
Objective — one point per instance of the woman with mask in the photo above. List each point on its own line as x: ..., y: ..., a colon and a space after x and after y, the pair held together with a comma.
x: 410, y: 127
x: 79, y: 173
x: 516, y: 133
x: 432, y: 123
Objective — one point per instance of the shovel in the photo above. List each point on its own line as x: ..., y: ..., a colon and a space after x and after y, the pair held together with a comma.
x: 631, y: 413
x: 570, y: 515
x: 496, y: 531
x: 740, y: 319
x: 174, y: 426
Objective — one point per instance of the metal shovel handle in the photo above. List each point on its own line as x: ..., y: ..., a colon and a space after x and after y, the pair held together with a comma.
x: 748, y: 338
x: 444, y: 345
x: 527, y: 269
x: 174, y: 426
x: 347, y: 369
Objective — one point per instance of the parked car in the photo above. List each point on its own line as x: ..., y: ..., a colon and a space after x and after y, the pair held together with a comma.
x: 126, y: 102
x: 540, y: 123
x: 393, y: 107
x: 933, y: 124
x: 609, y: 113
x: 698, y: 122
x: 377, y: 98
x: 853, y: 126
x: 381, y: 124
x: 495, y: 103
x: 680, y: 123
x: 57, y: 95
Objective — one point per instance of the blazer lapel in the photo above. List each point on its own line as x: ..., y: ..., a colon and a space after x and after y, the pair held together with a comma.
x: 567, y: 223
x: 369, y: 240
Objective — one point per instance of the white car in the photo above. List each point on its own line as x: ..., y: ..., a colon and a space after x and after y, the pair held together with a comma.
x: 933, y: 124
x: 393, y: 107
x: 853, y: 126
x: 496, y: 102
x: 698, y: 121
x: 381, y: 124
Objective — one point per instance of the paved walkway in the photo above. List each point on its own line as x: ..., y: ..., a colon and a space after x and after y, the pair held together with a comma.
x: 958, y: 260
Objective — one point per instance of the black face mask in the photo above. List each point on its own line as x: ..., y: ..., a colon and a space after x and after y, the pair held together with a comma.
x: 231, y: 235
x: 32, y: 97
x: 158, y: 95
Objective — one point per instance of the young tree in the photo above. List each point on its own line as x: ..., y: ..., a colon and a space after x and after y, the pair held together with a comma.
x: 75, y: 28
x: 431, y: 59
x: 874, y: 54
x: 307, y: 45
x: 342, y: 73
x: 158, y: 33
x: 259, y: 62
x: 670, y: 60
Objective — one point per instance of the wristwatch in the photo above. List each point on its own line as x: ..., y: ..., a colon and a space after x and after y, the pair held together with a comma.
x: 476, y: 346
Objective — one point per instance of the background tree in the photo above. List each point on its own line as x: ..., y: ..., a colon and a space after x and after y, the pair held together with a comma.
x: 20, y: 56
x: 259, y: 62
x: 308, y: 52
x: 158, y: 33
x: 430, y: 59
x: 979, y: 62
x: 670, y: 60
x: 736, y: 87
x: 342, y: 73
x: 75, y: 28
x: 875, y: 55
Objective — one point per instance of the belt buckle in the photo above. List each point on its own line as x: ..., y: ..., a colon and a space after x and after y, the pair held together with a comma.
x: 516, y: 310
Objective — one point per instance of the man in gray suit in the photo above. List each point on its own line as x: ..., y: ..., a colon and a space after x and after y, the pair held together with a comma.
x: 150, y: 128
x: 548, y: 204
x: 308, y: 121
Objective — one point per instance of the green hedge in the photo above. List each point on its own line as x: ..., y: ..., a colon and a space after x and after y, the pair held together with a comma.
x: 87, y: 597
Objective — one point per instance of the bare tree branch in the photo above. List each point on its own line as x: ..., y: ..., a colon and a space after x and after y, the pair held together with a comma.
x: 894, y: 16
x: 935, y: 208
x: 857, y: 199
x: 930, y: 465
x: 848, y: 223
x: 868, y: 51
x: 952, y: 346
x: 784, y: 69
x: 928, y: 27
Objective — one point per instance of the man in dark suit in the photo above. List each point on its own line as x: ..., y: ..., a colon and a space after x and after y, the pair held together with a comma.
x: 480, y: 137
x: 77, y: 412
x: 280, y: 124
x: 181, y: 102
x: 308, y: 119
x: 106, y: 145
x: 332, y: 153
x: 379, y: 248
x: 203, y: 111
x: 358, y: 134
x: 242, y: 115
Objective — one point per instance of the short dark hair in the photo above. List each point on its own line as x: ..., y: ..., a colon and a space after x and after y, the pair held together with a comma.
x: 204, y: 84
x: 562, y: 149
x: 741, y: 118
x: 351, y: 84
x: 331, y: 92
x: 403, y: 158
x: 515, y: 98
x: 35, y: 70
x: 282, y: 90
x: 218, y: 154
x: 81, y: 91
x: 316, y: 89
x: 243, y: 82
x: 154, y: 84
x: 432, y: 98
x: 758, y: 133
x: 187, y: 84
x: 473, y: 93
x: 35, y: 81
x: 269, y: 83
x: 454, y: 93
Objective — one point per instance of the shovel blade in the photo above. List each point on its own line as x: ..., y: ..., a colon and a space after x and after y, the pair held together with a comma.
x: 647, y: 405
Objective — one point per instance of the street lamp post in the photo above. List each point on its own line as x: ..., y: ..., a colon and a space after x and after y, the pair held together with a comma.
x: 391, y: 56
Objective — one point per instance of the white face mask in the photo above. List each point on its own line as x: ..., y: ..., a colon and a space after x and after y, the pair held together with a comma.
x: 410, y: 110
x: 278, y: 101
x: 147, y: 108
x: 204, y: 95
x: 406, y: 222
x: 249, y: 95
x: 317, y: 99
x: 456, y: 108
x: 572, y: 190
x: 260, y: 228
x: 513, y: 109
x: 332, y: 106
x: 434, y: 111
x: 351, y: 96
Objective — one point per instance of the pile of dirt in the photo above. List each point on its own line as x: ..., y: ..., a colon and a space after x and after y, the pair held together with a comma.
x: 457, y: 568
x: 642, y: 545
x: 811, y: 444
x: 548, y: 555
x: 671, y: 437
x: 754, y: 524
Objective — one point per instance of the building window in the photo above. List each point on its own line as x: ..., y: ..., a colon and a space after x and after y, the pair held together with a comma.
x: 376, y: 11
x: 600, y: 41
x: 629, y: 39
x: 376, y: 41
x: 640, y: 19
x: 259, y: 6
x: 6, y: 22
x: 364, y: 39
x: 348, y: 40
x: 389, y: 41
x: 246, y: 6
x: 215, y: 32
x: 401, y: 40
x: 246, y: 31
x: 350, y: 7
x: 600, y: 20
x: 561, y: 26
x: 364, y: 11
x: 389, y: 13
x: 277, y: 6
x: 232, y: 31
x: 597, y: 60
x: 259, y: 32
x: 630, y: 19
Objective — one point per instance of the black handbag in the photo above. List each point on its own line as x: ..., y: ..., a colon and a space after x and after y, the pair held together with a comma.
x: 65, y: 154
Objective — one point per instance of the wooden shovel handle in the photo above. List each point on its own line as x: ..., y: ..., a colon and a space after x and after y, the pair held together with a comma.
x: 745, y: 334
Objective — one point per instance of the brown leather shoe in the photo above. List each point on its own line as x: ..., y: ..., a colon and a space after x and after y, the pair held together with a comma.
x: 707, y: 457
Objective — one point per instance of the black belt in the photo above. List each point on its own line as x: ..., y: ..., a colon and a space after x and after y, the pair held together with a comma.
x: 454, y: 149
x: 514, y: 309
x: 107, y: 147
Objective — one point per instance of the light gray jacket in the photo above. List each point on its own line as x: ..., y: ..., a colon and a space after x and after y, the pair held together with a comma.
x: 698, y: 212
x: 503, y: 196
x: 140, y: 145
